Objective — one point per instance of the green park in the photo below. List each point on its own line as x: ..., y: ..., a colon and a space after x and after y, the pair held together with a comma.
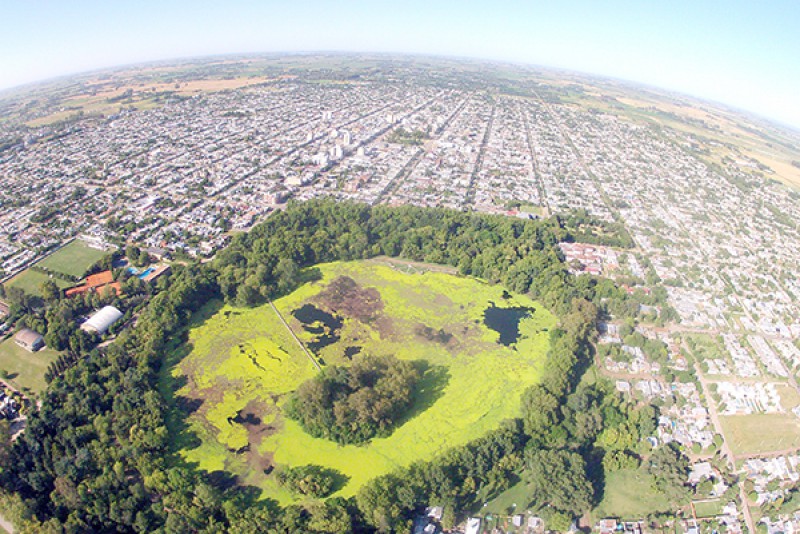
x: 479, y: 347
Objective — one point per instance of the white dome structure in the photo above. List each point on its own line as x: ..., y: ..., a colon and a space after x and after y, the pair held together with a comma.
x: 102, y: 320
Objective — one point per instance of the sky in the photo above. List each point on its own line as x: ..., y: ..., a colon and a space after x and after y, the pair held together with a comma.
x: 744, y: 53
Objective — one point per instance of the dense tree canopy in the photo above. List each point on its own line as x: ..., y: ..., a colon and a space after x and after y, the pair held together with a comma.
x: 558, y: 479
x: 356, y: 403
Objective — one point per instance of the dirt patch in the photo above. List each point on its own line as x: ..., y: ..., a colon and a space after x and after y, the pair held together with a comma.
x: 431, y: 334
x: 252, y: 418
x: 345, y: 296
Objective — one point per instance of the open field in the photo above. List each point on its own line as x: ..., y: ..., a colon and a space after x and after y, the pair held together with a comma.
x: 25, y: 369
x: 629, y: 494
x: 709, y: 508
x: 733, y: 138
x: 512, y: 501
x: 31, y: 282
x: 104, y: 98
x: 72, y: 259
x: 761, y: 433
x: 231, y: 379
x: 790, y: 398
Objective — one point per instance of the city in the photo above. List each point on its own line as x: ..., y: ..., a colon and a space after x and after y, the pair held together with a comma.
x: 714, y: 229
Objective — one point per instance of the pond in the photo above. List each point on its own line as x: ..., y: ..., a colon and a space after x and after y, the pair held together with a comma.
x: 325, y: 326
x: 505, y: 321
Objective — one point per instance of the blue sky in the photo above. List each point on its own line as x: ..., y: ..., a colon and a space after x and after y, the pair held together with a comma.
x: 742, y: 53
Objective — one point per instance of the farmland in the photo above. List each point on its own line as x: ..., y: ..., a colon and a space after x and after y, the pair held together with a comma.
x: 228, y: 383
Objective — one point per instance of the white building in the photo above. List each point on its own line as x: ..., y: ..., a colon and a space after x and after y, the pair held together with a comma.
x: 101, y: 321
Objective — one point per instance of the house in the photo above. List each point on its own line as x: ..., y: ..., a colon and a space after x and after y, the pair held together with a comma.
x: 157, y: 252
x: 535, y: 524
x: 29, y: 340
x: 434, y: 512
x: 700, y: 471
x: 606, y: 526
x: 101, y: 321
x: 473, y: 525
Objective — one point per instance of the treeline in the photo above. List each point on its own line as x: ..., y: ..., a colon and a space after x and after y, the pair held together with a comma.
x: 96, y: 457
x: 519, y: 254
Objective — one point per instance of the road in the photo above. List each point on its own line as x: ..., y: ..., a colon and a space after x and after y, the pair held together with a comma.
x: 726, y: 450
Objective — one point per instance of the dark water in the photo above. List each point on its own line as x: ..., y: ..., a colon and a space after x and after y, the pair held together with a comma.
x: 505, y: 321
x: 349, y: 352
x: 325, y: 326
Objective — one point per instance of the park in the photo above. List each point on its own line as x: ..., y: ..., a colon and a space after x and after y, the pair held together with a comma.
x: 228, y: 384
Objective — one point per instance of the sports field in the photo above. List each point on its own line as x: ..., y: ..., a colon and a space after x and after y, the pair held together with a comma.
x: 229, y: 381
x: 25, y: 369
x: 73, y: 259
x: 760, y: 433
x: 31, y: 282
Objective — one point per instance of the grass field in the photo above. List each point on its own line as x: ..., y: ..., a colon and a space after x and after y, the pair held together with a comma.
x: 629, y: 494
x: 753, y: 434
x: 790, y: 398
x: 512, y: 501
x: 26, y: 369
x: 239, y: 364
x: 499, y: 511
x: 73, y: 259
x: 709, y: 508
x: 31, y: 282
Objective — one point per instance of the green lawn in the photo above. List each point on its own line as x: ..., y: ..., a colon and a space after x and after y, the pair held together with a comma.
x: 629, y: 495
x: 753, y: 434
x: 31, y: 282
x: 709, y: 508
x: 26, y: 369
x: 244, y: 360
x: 73, y: 259
x: 514, y: 500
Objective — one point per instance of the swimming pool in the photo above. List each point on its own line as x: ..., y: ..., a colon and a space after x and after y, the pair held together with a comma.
x: 142, y: 275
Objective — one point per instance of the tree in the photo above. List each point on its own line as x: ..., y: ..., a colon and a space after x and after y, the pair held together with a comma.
x: 354, y: 404
x: 558, y: 478
x: 286, y: 273
x: 670, y: 469
x: 313, y: 480
x: 540, y: 411
x: 50, y: 291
